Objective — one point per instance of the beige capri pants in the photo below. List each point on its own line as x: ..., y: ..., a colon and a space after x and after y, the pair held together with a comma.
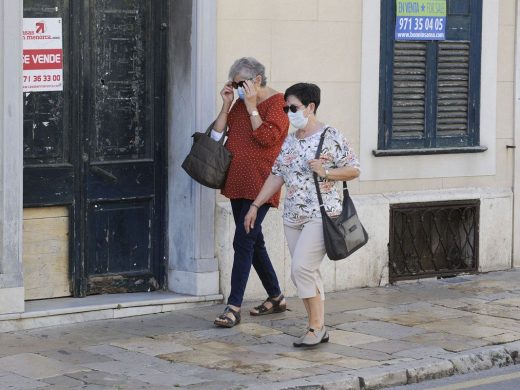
x: 307, y: 249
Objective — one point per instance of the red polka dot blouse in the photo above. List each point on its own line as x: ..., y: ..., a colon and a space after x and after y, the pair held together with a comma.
x: 254, y: 152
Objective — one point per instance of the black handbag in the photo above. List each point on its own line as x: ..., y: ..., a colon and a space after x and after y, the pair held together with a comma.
x: 343, y: 234
x: 208, y: 160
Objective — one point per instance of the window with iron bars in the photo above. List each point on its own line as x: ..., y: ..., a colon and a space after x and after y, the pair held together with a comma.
x: 433, y: 239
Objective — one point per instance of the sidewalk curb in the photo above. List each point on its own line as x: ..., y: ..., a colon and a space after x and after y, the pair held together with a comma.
x: 403, y: 373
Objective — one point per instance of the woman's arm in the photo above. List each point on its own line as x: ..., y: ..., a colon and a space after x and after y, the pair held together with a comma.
x: 272, y: 185
x: 227, y: 99
x: 336, y: 174
x: 344, y: 157
x: 251, y: 94
x: 269, y: 130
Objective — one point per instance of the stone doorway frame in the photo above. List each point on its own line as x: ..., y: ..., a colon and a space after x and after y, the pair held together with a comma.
x: 11, y: 157
x: 192, y: 264
x: 516, y: 151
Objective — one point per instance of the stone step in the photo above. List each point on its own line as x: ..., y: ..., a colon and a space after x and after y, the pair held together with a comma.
x: 61, y: 311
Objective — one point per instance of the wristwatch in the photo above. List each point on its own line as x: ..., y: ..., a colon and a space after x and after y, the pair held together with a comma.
x: 254, y: 113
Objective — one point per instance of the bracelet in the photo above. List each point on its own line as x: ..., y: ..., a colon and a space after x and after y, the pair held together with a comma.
x: 326, y: 174
x: 255, y: 206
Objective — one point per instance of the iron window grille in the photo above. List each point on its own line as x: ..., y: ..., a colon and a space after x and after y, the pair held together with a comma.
x: 433, y: 239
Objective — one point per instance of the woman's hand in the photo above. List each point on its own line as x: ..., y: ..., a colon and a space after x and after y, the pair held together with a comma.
x: 227, y: 93
x: 250, y: 94
x: 272, y: 185
x: 249, y: 219
x: 317, y: 167
x: 336, y: 174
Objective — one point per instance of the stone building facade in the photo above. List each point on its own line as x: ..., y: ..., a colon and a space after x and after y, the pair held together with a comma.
x: 335, y: 44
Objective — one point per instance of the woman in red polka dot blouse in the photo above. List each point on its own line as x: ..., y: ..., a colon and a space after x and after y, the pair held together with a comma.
x: 256, y: 128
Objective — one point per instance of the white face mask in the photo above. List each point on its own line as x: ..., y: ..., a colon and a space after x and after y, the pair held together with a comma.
x: 297, y: 119
x: 241, y: 93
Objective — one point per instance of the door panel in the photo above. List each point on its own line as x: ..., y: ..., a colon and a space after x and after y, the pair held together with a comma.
x: 120, y: 256
x: 122, y: 93
x: 121, y: 164
x: 48, y: 185
x: 121, y: 180
x: 120, y: 243
x: 43, y: 130
x: 48, y: 170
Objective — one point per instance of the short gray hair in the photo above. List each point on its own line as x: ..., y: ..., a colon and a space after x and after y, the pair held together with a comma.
x: 248, y: 67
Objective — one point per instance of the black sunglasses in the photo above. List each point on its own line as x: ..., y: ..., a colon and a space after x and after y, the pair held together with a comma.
x: 239, y: 83
x: 292, y: 107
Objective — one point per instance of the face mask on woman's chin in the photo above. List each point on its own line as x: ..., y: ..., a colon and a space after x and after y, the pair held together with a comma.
x: 297, y: 119
x: 241, y: 93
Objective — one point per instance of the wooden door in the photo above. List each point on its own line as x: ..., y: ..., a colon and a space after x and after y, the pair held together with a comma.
x: 98, y: 146
x: 123, y: 146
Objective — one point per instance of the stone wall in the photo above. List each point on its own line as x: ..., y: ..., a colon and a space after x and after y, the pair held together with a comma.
x: 368, y: 267
x: 335, y: 44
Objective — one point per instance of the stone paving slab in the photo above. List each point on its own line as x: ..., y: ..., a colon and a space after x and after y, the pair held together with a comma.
x: 35, y: 366
x: 462, y: 326
x: 15, y: 343
x: 15, y: 382
x: 495, y: 309
x: 104, y: 380
x: 389, y: 346
x: 379, y: 337
x: 383, y: 329
x: 149, y: 346
x: 350, y: 339
x: 62, y: 382
x: 74, y: 356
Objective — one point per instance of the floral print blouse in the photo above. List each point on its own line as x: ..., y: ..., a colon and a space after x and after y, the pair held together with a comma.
x: 292, y: 164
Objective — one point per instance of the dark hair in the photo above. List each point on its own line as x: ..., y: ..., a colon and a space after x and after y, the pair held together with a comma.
x: 306, y: 93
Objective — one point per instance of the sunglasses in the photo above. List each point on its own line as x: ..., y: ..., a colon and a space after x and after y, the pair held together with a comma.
x: 292, y: 107
x: 239, y: 83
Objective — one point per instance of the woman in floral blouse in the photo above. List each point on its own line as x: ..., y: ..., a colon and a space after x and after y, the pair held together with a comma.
x: 294, y: 167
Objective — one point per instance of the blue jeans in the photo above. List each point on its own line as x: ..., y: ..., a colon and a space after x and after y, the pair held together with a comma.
x: 250, y: 249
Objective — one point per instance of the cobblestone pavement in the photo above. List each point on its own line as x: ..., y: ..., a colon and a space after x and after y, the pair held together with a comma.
x: 378, y: 337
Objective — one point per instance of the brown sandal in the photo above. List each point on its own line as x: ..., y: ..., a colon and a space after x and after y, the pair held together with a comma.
x: 225, y: 321
x: 277, y: 307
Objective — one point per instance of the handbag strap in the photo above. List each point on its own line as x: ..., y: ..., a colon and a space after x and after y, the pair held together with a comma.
x: 208, y: 133
x: 315, y: 175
